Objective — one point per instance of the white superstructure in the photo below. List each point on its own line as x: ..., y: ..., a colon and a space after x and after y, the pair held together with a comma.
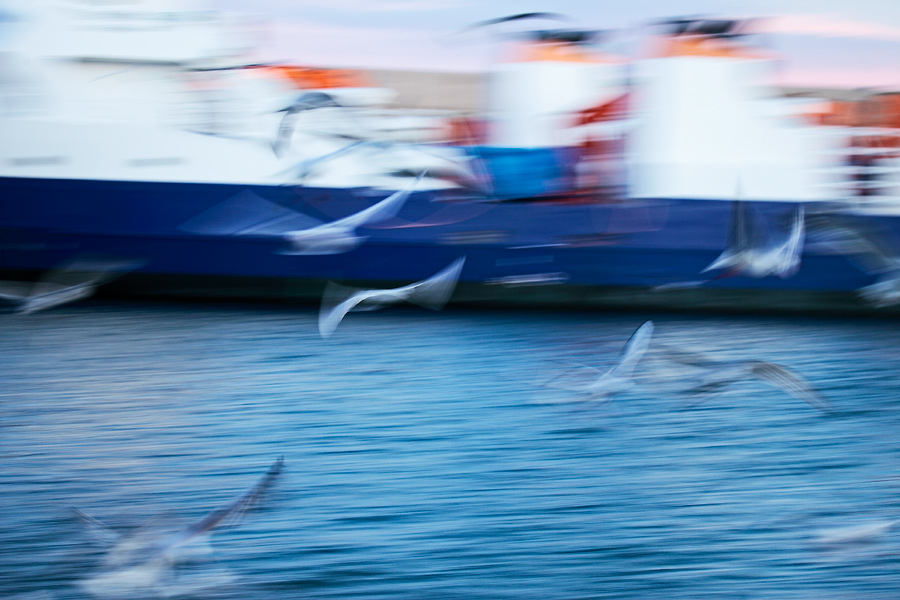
x: 161, y: 90
x: 709, y: 125
x: 531, y: 98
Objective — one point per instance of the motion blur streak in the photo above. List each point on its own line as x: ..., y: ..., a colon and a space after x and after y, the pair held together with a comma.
x: 420, y: 464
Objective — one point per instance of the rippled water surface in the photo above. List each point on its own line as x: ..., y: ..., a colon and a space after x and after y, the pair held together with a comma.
x: 424, y: 459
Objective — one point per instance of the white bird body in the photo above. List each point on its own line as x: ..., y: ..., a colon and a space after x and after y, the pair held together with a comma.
x: 139, y: 562
x: 618, y: 378
x: 340, y: 236
x: 431, y: 293
x: 750, y: 255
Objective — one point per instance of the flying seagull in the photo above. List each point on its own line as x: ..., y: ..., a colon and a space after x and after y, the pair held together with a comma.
x: 468, y: 172
x: 869, y: 248
x: 615, y: 380
x: 718, y: 374
x: 431, y: 293
x: 754, y: 253
x: 141, y: 562
x: 854, y: 535
x: 73, y: 281
x: 306, y: 101
x: 340, y: 236
x: 249, y: 214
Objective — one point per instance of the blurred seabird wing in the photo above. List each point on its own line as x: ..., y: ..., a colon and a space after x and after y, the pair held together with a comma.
x: 15, y: 291
x: 790, y: 253
x: 685, y: 357
x: 337, y: 301
x: 738, y: 238
x: 791, y: 383
x: 574, y: 379
x: 232, y: 512
x: 435, y: 291
x: 99, y: 530
x: 432, y: 293
x: 868, y: 250
x: 381, y: 211
x: 302, y: 169
x: 85, y: 271
x: 634, y: 349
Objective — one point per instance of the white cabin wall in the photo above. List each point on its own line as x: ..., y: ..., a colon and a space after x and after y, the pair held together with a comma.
x: 531, y: 102
x: 711, y: 128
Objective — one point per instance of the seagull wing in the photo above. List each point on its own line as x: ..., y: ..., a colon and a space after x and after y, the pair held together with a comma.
x: 302, y: 169
x: 791, y: 383
x: 230, y: 513
x: 684, y: 357
x: 435, y: 291
x: 308, y: 101
x: 861, y: 245
x: 15, y: 291
x: 99, y: 530
x: 739, y: 235
x: 85, y: 271
x: 574, y: 379
x: 634, y: 349
x: 385, y: 209
x: 789, y: 253
x: 431, y: 293
x: 338, y: 300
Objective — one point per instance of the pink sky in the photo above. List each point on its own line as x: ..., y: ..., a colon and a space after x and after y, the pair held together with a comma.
x: 859, y: 47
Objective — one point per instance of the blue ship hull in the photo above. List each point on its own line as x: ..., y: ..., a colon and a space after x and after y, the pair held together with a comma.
x: 534, y: 252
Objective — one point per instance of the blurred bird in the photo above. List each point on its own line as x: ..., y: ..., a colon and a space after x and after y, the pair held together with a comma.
x: 141, y: 562
x: 854, y: 535
x: 249, y: 214
x: 615, y: 380
x: 464, y: 169
x: 431, y: 293
x: 754, y: 253
x: 306, y: 101
x: 73, y: 281
x: 340, y: 236
x: 866, y: 247
x: 718, y: 374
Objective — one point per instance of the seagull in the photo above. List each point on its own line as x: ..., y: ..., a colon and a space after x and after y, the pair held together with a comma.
x: 866, y: 247
x: 468, y: 171
x: 752, y: 253
x: 718, y: 374
x: 249, y: 214
x: 306, y: 101
x: 141, y: 562
x: 854, y: 535
x: 431, y: 293
x: 74, y: 281
x: 619, y: 377
x: 340, y: 236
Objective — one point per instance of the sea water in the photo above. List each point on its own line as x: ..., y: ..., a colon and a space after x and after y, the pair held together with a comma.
x: 426, y: 456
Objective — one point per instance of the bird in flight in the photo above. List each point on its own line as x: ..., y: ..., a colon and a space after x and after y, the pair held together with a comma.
x: 73, y: 281
x: 249, y: 214
x: 141, y: 562
x: 431, y: 293
x: 603, y: 385
x: 716, y: 375
x: 754, y: 252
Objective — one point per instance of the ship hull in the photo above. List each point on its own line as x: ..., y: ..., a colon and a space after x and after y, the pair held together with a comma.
x: 636, y: 253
